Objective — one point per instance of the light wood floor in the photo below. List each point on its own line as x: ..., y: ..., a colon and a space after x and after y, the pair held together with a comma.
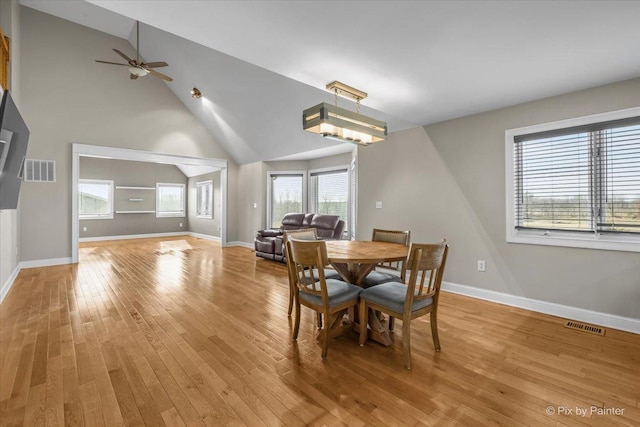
x: 180, y: 332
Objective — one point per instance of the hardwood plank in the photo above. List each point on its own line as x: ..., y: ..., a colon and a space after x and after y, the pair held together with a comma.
x: 177, y: 331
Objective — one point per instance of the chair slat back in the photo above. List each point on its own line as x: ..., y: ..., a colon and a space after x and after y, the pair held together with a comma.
x: 427, y: 262
x: 309, y: 256
x: 301, y: 234
x: 392, y: 236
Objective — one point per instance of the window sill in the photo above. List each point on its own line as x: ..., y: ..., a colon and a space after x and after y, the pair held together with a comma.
x: 204, y: 216
x: 82, y: 218
x: 595, y: 241
x: 170, y: 215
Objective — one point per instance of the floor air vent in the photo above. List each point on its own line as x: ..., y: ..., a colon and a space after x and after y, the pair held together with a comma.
x: 584, y: 327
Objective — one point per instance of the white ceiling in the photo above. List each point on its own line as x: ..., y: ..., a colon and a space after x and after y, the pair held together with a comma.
x: 260, y: 63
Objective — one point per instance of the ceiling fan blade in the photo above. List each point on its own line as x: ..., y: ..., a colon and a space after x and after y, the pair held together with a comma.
x: 133, y: 76
x: 160, y: 75
x: 112, y: 63
x: 155, y: 64
x: 123, y: 55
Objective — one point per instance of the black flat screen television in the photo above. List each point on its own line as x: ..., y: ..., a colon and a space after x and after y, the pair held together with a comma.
x: 14, y: 137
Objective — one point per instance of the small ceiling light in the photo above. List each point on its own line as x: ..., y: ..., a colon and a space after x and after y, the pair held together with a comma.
x: 334, y: 122
x: 138, y: 71
x: 195, y: 93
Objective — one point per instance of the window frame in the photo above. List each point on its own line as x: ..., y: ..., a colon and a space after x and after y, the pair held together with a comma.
x: 328, y: 170
x: 594, y: 240
x: 302, y: 173
x: 111, y: 198
x: 162, y: 214
x: 200, y: 215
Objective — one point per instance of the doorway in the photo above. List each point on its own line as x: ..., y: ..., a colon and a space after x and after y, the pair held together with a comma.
x: 83, y: 150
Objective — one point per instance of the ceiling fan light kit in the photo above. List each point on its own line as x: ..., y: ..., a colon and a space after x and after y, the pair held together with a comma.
x: 331, y: 121
x: 138, y: 71
x: 137, y: 68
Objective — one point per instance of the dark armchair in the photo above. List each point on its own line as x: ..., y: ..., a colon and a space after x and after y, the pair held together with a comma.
x: 269, y: 243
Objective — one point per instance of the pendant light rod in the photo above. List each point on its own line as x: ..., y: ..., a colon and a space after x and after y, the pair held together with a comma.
x: 346, y: 91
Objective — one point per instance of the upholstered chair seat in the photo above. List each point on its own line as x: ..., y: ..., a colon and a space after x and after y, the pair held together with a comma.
x: 388, y: 271
x: 330, y: 298
x: 418, y: 297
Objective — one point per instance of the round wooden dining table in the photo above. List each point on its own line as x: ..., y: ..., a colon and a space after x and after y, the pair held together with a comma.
x: 354, y: 260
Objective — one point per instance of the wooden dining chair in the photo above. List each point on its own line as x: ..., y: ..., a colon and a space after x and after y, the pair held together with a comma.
x: 303, y: 234
x: 387, y: 271
x: 413, y: 299
x: 329, y: 297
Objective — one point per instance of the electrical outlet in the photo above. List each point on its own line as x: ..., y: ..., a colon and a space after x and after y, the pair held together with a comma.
x: 180, y: 224
x: 482, y: 266
x: 84, y: 228
x: 378, y: 205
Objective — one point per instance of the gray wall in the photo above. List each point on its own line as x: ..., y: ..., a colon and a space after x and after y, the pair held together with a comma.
x: 67, y: 97
x: 131, y: 174
x: 448, y: 180
x: 252, y: 187
x: 327, y: 162
x: 210, y: 227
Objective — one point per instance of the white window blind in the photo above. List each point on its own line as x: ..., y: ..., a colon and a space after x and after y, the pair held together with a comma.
x: 353, y: 214
x: 580, y: 179
x: 329, y: 193
x: 286, y: 196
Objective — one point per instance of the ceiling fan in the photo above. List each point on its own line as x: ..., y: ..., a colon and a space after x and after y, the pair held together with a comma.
x: 138, y: 68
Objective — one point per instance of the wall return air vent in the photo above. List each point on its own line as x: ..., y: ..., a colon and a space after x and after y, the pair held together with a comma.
x: 39, y: 170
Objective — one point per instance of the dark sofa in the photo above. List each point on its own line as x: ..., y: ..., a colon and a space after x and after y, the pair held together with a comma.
x: 268, y: 243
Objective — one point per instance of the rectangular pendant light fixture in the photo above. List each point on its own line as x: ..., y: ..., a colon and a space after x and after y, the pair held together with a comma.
x: 334, y: 122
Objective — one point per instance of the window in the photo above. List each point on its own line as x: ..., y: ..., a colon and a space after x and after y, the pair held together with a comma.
x: 95, y: 198
x: 329, y: 193
x: 169, y: 200
x: 576, y: 183
x: 285, y: 194
x: 204, y: 199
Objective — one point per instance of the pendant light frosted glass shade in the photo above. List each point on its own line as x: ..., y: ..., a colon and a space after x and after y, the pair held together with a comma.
x: 338, y: 123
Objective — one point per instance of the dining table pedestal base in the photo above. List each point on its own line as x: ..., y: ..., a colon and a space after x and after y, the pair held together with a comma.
x: 340, y: 324
x: 354, y: 260
x: 377, y: 330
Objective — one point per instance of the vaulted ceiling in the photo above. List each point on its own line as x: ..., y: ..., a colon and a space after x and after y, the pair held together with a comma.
x: 260, y: 63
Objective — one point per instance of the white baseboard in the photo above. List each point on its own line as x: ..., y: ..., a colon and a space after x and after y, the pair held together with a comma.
x: 602, y: 319
x: 242, y: 244
x: 6, y: 286
x: 133, y: 236
x: 204, y: 236
x: 45, y: 262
